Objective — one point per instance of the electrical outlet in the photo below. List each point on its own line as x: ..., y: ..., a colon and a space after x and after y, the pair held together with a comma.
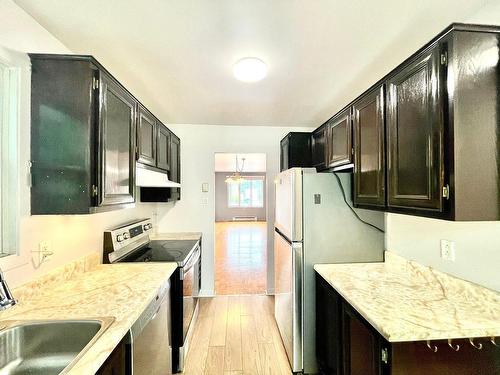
x: 45, y: 250
x: 448, y: 250
x: 44, y: 247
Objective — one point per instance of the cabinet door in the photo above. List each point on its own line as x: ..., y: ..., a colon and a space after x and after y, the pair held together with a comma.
x: 369, y: 150
x: 175, y: 159
x: 284, y: 154
x: 328, y: 328
x: 362, y: 354
x: 163, y: 148
x: 318, y: 148
x: 339, y: 144
x: 175, y: 166
x: 415, y: 134
x: 146, y: 137
x: 116, y: 168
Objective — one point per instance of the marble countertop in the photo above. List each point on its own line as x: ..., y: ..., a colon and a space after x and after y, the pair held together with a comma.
x: 176, y: 236
x: 406, y: 301
x: 121, y: 291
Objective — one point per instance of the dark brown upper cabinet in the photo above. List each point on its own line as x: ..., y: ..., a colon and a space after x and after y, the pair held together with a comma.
x: 369, y: 149
x: 339, y: 141
x: 295, y: 150
x: 163, y: 147
x: 318, y: 148
x: 82, y: 137
x: 442, y: 123
x: 146, y: 137
x: 415, y: 125
x: 442, y: 144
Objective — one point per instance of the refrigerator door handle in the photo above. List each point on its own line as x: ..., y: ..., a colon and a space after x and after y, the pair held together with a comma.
x: 297, y: 286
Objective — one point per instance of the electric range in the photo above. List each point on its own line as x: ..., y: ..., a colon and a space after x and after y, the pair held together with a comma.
x: 131, y: 243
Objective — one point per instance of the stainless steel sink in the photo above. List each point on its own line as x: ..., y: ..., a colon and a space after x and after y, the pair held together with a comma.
x: 46, y: 347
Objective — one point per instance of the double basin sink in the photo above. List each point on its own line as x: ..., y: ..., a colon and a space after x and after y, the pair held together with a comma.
x: 46, y: 347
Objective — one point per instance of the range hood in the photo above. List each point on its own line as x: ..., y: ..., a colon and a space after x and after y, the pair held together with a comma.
x: 145, y: 177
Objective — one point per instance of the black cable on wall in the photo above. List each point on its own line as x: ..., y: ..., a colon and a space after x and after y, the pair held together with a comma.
x: 352, y: 209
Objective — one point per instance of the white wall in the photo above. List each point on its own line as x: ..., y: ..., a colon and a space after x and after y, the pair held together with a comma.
x: 70, y: 236
x: 20, y: 32
x: 199, y: 143
x: 477, y: 243
x: 477, y: 246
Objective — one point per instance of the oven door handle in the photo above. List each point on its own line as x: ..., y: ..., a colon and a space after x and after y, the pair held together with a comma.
x: 192, y: 261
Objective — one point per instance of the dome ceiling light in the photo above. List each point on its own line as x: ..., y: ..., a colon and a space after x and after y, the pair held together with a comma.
x: 250, y: 69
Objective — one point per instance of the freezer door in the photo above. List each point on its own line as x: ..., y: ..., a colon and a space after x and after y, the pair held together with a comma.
x: 288, y: 297
x: 288, y: 215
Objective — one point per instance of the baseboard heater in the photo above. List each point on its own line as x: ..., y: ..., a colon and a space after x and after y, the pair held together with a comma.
x: 244, y: 218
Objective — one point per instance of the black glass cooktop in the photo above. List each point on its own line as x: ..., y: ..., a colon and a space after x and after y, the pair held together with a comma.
x: 163, y: 251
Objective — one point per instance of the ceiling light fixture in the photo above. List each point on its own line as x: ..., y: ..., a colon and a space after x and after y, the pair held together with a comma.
x: 236, y: 177
x: 250, y: 69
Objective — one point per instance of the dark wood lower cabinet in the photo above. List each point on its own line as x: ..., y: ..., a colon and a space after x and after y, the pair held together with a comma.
x: 328, y: 335
x: 346, y: 344
x: 116, y: 362
x: 363, y: 347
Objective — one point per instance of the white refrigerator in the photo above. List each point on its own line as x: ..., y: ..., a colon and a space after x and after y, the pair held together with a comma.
x: 314, y: 225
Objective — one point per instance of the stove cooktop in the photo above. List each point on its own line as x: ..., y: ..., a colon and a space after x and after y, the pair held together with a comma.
x: 164, y: 251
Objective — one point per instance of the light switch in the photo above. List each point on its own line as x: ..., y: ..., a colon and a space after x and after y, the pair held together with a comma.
x: 204, y: 187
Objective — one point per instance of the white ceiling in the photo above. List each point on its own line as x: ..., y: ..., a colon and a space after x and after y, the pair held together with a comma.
x: 176, y: 55
x: 226, y: 162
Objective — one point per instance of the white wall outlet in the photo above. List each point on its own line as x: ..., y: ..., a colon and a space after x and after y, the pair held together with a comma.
x: 44, y: 246
x: 44, y: 251
x: 204, y: 201
x: 204, y: 187
x: 448, y: 250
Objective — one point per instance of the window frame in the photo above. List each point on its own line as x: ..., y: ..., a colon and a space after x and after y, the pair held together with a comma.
x: 250, y: 178
x: 16, y: 65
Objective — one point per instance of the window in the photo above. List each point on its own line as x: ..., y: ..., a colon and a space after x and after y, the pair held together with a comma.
x: 14, y: 109
x: 249, y: 193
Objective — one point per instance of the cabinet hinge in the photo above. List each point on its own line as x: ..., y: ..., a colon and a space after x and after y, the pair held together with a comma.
x: 95, y: 83
x: 446, y: 191
x: 444, y: 58
x: 94, y: 191
x: 30, y: 174
x: 384, y: 355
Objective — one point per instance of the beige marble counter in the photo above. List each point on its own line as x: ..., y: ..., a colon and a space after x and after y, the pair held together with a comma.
x: 121, y: 291
x: 176, y: 236
x: 406, y: 301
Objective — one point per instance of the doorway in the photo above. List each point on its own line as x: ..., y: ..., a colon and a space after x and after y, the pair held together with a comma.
x: 240, y: 224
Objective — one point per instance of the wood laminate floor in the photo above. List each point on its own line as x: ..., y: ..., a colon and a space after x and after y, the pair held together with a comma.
x: 236, y: 335
x: 240, y: 257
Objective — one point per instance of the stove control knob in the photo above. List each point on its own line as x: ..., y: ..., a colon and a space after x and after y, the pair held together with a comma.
x: 147, y: 226
x: 126, y: 236
x: 119, y: 238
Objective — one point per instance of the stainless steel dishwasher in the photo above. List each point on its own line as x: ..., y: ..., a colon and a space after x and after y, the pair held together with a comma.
x: 150, y: 338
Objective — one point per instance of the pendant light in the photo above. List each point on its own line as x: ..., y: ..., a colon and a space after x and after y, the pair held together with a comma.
x: 236, y: 177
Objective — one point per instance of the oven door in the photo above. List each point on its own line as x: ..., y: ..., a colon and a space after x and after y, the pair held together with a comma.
x: 190, y: 275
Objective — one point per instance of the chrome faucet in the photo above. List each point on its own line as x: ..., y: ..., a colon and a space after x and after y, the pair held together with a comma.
x: 6, y: 298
